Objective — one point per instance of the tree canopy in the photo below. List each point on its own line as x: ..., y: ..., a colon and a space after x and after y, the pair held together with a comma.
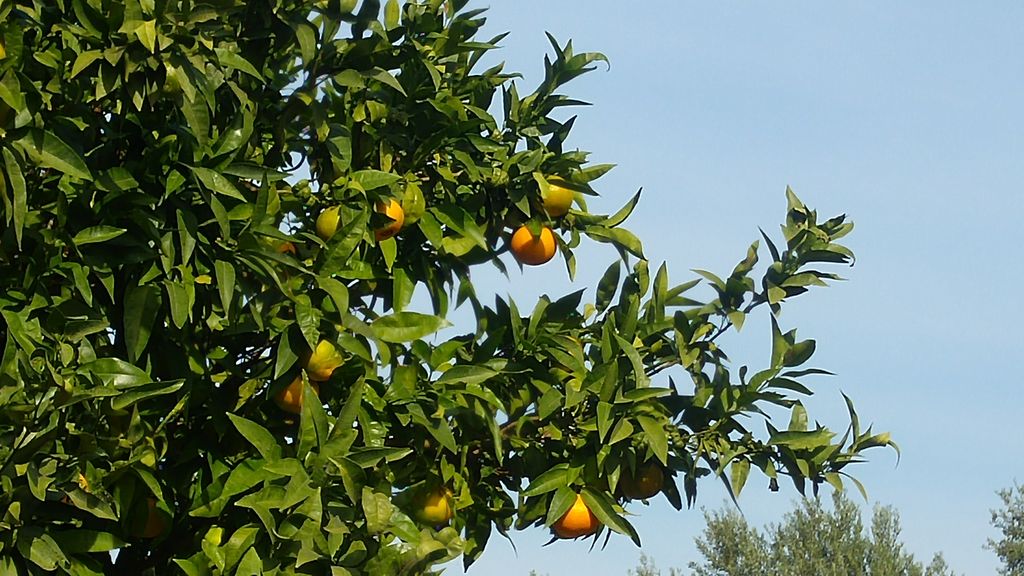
x: 210, y: 362
x: 1009, y: 520
x: 812, y: 540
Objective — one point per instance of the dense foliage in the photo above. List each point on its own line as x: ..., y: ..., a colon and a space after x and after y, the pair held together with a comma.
x: 163, y: 289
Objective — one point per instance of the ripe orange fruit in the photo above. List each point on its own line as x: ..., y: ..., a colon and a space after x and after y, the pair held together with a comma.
x: 434, y: 507
x: 394, y: 211
x: 289, y: 398
x: 286, y: 248
x: 647, y: 482
x: 558, y: 200
x: 578, y: 521
x: 321, y: 362
x: 156, y: 521
x: 533, y: 250
x: 327, y: 223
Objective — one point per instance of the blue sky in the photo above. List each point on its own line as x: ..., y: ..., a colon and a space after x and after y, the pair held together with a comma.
x: 905, y: 115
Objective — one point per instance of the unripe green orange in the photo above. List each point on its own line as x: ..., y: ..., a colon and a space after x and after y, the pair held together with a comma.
x: 321, y: 362
x: 558, y: 200
x: 434, y: 507
x: 327, y: 223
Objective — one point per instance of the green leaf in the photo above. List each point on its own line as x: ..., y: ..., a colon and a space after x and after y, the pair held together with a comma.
x: 619, y: 237
x: 84, y: 60
x: 179, y: 301
x: 116, y: 372
x: 402, y: 292
x: 336, y: 290
x: 798, y: 353
x: 802, y: 440
x: 387, y: 78
x: 236, y: 62
x: 377, y: 509
x: 49, y: 151
x: 403, y: 384
x: 373, y: 179
x: 216, y: 182
x: 10, y: 91
x: 456, y: 218
x: 146, y: 33
x: 196, y: 565
x: 391, y: 14
x: 247, y: 474
x: 225, y: 284
x: 196, y: 113
x: 313, y: 427
x: 467, y: 375
x: 96, y: 234
x: 307, y: 320
x: 798, y: 418
x: 306, y: 35
x: 604, y: 413
x: 622, y: 430
x: 738, y: 472
x: 261, y: 439
x: 607, y: 287
x: 655, y: 436
x: 591, y: 173
x: 91, y: 504
x: 407, y: 326
x: 604, y: 508
x: 642, y: 380
x: 83, y: 540
x: 561, y: 502
x: 624, y: 212
x: 286, y: 356
x: 413, y: 203
x: 141, y: 306
x: 556, y: 477
x: 140, y: 393
x: 20, y: 201
x: 41, y: 550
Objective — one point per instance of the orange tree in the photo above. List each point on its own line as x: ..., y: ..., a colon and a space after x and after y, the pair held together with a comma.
x: 193, y: 380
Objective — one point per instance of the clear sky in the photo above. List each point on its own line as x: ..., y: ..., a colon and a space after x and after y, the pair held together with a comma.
x: 909, y: 117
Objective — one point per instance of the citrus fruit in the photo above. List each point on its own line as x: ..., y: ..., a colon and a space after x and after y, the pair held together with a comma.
x: 647, y: 482
x: 577, y: 521
x: 289, y: 398
x: 434, y: 507
x: 327, y: 223
x: 286, y: 248
x: 533, y: 250
x: 558, y: 200
x: 156, y: 520
x: 321, y: 363
x: 394, y: 211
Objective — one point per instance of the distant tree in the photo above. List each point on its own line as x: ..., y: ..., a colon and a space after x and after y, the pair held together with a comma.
x: 648, y: 568
x: 812, y: 540
x: 1010, y: 521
